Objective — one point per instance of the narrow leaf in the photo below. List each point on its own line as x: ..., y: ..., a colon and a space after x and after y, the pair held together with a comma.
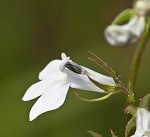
x: 94, y: 134
x: 130, y: 125
x: 123, y: 16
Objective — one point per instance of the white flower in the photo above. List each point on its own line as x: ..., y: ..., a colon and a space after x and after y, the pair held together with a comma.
x: 142, y: 123
x: 120, y: 35
x: 56, y: 78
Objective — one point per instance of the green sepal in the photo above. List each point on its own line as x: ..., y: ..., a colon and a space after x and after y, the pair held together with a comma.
x: 123, y: 16
x: 130, y: 125
x: 113, y: 134
x: 104, y: 66
x: 107, y: 88
x: 119, y: 85
x: 145, y: 102
x: 131, y: 109
x: 94, y: 134
x: 95, y: 100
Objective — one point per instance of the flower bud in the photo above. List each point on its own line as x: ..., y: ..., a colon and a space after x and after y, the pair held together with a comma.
x: 142, y: 7
x: 120, y: 35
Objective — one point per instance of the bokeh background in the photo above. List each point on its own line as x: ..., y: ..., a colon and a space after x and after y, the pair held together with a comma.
x: 34, y: 32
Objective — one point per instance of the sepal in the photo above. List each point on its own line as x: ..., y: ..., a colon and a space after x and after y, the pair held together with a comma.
x: 113, y: 134
x: 95, y: 100
x: 123, y: 16
x: 131, y: 109
x: 119, y: 85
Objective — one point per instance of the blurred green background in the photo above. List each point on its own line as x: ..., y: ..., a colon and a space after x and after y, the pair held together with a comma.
x: 34, y: 32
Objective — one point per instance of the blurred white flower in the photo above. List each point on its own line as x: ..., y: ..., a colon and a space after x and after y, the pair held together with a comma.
x: 142, y: 7
x: 120, y: 35
x: 142, y: 123
x: 56, y: 78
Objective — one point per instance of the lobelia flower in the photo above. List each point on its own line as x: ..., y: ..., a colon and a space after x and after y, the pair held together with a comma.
x: 142, y: 123
x: 55, y: 80
x: 120, y: 35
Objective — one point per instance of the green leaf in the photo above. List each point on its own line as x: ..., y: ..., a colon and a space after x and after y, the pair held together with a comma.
x: 130, y: 125
x: 123, y: 16
x: 112, y: 133
x: 94, y: 134
x: 145, y: 102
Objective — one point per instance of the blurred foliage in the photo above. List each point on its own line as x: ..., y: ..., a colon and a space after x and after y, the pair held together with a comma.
x: 33, y: 32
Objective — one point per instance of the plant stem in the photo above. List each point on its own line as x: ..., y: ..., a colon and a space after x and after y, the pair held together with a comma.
x: 135, y: 64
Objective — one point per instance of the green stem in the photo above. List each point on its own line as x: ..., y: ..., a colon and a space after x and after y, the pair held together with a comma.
x: 133, y: 73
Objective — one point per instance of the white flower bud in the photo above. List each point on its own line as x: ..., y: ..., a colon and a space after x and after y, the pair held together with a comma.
x: 142, y: 7
x: 137, y: 25
x: 120, y: 35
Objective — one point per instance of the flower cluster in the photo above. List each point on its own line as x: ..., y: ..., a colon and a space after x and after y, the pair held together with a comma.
x: 60, y: 74
x: 120, y: 35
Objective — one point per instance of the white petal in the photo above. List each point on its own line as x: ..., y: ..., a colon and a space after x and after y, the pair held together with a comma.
x: 142, y: 121
x: 82, y: 82
x: 34, y: 91
x: 137, y: 25
x: 49, y: 69
x: 39, y: 88
x: 118, y: 35
x: 52, y: 99
x: 63, y: 56
x: 99, y: 77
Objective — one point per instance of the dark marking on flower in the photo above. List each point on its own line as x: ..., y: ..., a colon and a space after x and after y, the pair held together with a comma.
x: 74, y: 67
